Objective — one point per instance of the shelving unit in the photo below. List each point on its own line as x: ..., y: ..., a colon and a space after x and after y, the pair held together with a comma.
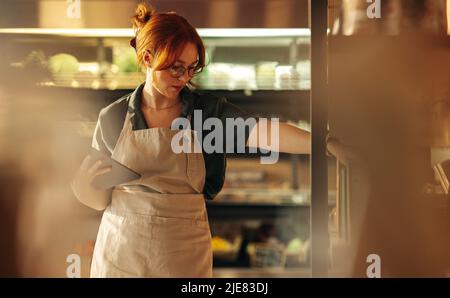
x: 273, y: 80
x: 249, y: 59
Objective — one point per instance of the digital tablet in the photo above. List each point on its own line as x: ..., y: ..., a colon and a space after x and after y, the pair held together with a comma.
x: 119, y: 173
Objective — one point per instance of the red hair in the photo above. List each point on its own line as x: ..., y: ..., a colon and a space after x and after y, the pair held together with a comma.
x: 165, y: 35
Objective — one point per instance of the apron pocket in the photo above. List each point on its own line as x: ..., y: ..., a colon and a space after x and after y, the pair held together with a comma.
x: 124, y: 247
x: 195, y: 171
x: 171, y: 236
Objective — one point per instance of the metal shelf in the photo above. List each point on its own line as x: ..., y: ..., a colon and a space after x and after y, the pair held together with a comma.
x: 128, y: 32
x: 261, y: 272
x: 266, y: 197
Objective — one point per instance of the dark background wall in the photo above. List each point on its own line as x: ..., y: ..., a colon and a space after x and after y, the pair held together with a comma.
x: 116, y: 13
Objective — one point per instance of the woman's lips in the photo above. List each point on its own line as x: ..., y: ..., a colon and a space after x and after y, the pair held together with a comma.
x: 177, y: 88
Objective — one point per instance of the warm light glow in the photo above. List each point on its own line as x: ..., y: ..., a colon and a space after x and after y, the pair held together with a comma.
x: 88, y: 67
x: 448, y: 17
x: 118, y: 32
x: 124, y: 32
x: 259, y: 32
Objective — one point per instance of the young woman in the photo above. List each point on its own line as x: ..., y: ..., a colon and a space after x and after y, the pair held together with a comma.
x: 157, y: 226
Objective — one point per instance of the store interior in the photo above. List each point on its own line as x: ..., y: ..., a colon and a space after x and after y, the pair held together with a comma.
x: 388, y: 128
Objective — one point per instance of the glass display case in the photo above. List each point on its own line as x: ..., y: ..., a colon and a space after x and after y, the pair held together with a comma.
x: 260, y: 221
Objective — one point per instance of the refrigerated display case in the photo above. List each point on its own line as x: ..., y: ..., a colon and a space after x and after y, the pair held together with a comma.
x: 260, y: 221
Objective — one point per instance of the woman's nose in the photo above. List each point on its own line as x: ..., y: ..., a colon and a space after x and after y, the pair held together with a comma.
x: 185, y: 77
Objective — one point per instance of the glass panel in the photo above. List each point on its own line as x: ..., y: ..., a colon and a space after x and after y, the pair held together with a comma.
x: 59, y: 79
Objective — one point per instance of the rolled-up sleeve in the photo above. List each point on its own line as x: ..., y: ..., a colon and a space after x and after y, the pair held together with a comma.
x: 102, y: 139
x: 109, y: 125
x: 98, y: 142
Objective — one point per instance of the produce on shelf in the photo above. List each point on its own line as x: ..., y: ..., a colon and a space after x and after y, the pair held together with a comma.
x: 63, y: 64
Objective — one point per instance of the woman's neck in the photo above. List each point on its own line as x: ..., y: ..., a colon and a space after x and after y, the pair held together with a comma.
x: 153, y: 99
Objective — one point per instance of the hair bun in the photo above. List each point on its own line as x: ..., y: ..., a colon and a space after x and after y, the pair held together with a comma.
x: 142, y: 15
x: 133, y: 42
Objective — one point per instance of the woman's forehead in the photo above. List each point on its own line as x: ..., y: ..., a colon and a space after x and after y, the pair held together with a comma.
x: 189, y: 54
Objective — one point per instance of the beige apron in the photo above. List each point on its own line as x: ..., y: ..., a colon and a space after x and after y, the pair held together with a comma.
x: 155, y: 226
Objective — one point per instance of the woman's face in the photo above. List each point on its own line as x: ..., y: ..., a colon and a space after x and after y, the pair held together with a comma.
x: 169, y: 82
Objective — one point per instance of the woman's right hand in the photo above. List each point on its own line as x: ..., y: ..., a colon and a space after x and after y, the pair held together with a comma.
x: 82, y: 184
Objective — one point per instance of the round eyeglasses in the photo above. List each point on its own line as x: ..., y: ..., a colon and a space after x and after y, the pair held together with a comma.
x: 178, y: 71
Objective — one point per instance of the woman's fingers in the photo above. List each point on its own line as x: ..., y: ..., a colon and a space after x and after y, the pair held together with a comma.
x: 89, y: 161
x: 102, y: 171
x: 86, y: 163
x: 93, y: 169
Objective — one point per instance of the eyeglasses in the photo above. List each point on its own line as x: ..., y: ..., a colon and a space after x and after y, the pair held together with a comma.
x: 178, y: 71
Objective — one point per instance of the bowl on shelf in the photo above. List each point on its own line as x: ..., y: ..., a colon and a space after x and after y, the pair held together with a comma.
x: 226, y: 250
x: 297, y: 252
x: 267, y: 254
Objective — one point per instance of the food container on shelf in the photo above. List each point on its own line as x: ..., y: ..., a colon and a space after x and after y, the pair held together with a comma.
x: 270, y: 254
x: 287, y: 77
x: 265, y: 74
x: 225, y: 249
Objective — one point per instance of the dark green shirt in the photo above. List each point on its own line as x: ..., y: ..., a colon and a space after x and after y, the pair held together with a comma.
x: 111, y: 119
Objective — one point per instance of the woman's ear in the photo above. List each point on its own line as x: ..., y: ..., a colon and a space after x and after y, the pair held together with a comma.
x: 147, y: 58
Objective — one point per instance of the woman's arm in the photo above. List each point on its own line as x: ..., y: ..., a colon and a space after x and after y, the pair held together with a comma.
x: 94, y: 199
x: 291, y: 139
x: 90, y: 168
